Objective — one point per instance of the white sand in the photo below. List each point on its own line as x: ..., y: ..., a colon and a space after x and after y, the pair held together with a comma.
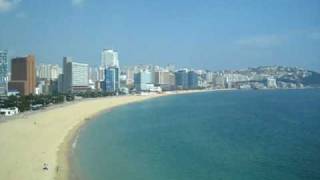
x: 26, y: 143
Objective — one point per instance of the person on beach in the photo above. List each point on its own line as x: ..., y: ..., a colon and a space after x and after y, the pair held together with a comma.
x: 45, y: 167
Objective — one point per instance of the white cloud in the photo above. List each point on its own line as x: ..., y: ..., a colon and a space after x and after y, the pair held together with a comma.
x: 261, y: 41
x: 7, y: 5
x: 78, y: 2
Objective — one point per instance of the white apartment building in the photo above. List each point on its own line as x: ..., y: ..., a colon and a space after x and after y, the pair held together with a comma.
x: 75, y: 76
x: 48, y: 71
x: 109, y: 58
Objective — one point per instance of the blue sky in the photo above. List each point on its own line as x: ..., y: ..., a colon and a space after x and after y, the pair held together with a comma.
x: 222, y: 34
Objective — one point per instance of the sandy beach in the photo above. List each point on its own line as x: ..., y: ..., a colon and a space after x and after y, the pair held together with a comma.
x: 29, y: 141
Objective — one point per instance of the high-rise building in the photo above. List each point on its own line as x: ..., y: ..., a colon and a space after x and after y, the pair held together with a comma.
x: 172, y: 81
x: 93, y: 74
x: 109, y: 58
x: 219, y: 81
x: 3, y: 72
x: 130, y: 77
x: 48, y: 71
x: 143, y: 80
x: 23, y: 77
x: 161, y: 77
x: 182, y: 79
x: 75, y: 76
x: 209, y: 76
x: 111, y: 70
x: 60, y: 83
x: 165, y: 79
x: 101, y: 73
x: 111, y: 83
x: 123, y: 79
x: 193, y: 80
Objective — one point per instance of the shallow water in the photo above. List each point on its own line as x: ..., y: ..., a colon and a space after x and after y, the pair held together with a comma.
x: 204, y: 136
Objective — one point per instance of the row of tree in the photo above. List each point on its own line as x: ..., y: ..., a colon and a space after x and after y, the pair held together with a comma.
x: 25, y: 103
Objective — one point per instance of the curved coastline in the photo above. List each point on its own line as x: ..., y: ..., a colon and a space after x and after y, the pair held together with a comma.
x: 66, y: 147
x: 30, y: 140
x: 152, y: 138
x: 33, y: 139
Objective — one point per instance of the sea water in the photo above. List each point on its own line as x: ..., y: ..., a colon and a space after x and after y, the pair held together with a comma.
x: 230, y: 135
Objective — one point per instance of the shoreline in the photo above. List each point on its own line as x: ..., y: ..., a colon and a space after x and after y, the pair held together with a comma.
x: 46, y: 136
x: 63, y: 154
x: 66, y: 147
x: 31, y: 140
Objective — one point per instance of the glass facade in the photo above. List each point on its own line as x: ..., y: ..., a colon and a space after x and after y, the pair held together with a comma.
x: 193, y: 80
x: 112, y: 82
x: 3, y: 71
x: 142, y: 80
x: 182, y: 81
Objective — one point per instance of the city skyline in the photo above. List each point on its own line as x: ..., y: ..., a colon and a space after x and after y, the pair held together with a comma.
x: 159, y: 89
x: 212, y: 35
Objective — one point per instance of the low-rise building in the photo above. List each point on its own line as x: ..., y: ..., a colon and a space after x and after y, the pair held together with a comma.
x: 271, y: 82
x: 9, y: 111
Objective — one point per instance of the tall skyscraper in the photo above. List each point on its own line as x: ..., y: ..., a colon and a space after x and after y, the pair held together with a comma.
x: 112, y: 80
x: 182, y: 79
x: 23, y: 75
x: 109, y: 58
x: 3, y: 72
x: 75, y: 76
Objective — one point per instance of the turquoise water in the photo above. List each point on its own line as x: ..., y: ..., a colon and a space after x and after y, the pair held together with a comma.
x: 249, y: 135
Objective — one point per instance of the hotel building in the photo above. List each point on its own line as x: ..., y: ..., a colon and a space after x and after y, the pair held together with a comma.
x: 143, y: 80
x: 23, y: 75
x: 193, y: 80
x: 165, y: 79
x: 75, y: 76
x: 182, y: 79
x: 48, y: 71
